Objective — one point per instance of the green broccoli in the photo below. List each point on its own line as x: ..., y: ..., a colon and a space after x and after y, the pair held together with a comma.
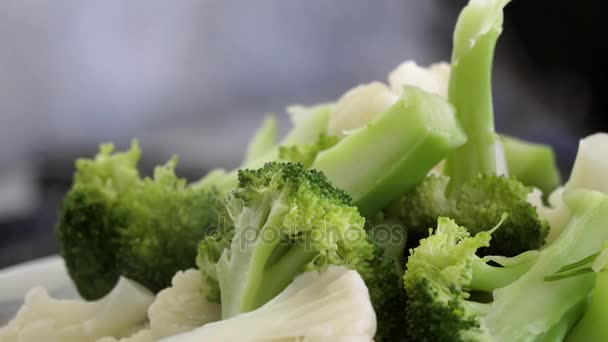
x: 113, y: 222
x: 286, y: 220
x: 479, y: 204
x: 473, y: 190
x: 445, y: 279
x: 289, y: 220
x: 398, y: 147
x: 385, y: 281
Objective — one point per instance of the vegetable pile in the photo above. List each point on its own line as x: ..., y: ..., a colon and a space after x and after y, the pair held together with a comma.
x: 396, y: 213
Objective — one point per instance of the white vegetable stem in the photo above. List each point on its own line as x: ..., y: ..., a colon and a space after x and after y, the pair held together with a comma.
x: 328, y: 305
x: 589, y: 172
x: 43, y: 318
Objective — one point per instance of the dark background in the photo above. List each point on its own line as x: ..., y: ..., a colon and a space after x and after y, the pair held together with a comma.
x: 196, y: 77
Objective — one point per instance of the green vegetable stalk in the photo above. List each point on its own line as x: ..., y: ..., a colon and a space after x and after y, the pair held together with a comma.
x: 474, y: 189
x: 470, y: 90
x: 593, y: 327
x: 531, y: 163
x: 379, y: 162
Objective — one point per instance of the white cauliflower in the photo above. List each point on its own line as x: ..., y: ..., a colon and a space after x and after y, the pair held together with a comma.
x: 141, y: 336
x: 360, y: 105
x: 588, y: 172
x: 182, y: 307
x: 434, y: 78
x: 556, y: 213
x: 42, y: 318
x: 318, y: 306
x: 591, y: 164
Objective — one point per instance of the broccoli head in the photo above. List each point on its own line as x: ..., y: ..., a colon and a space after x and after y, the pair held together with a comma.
x: 454, y: 295
x: 114, y: 222
x: 287, y: 220
x: 478, y: 205
x: 438, y: 275
x: 385, y: 285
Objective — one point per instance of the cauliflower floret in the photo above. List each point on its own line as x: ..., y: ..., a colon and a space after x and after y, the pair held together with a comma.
x: 556, y: 213
x: 141, y: 336
x: 332, y: 305
x: 588, y: 172
x: 182, y: 307
x: 434, y: 79
x: 360, y: 105
x: 43, y: 318
x: 591, y: 164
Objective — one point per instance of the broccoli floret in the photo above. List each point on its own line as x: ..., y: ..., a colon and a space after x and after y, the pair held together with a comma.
x: 478, y: 205
x: 88, y: 239
x: 473, y: 190
x: 114, y: 222
x: 385, y: 283
x: 309, y: 224
x: 444, y: 276
x: 210, y: 250
x: 287, y: 220
x: 437, y: 280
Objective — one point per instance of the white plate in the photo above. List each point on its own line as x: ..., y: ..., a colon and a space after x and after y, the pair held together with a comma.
x: 17, y: 280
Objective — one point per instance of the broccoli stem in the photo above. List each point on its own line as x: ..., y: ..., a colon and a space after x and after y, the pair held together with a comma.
x: 264, y: 140
x: 592, y: 326
x: 380, y: 162
x: 470, y: 90
x: 262, y: 269
x: 532, y: 164
x: 561, y: 330
x: 488, y: 278
x: 282, y: 273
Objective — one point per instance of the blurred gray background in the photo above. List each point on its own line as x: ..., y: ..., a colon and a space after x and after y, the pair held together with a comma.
x: 195, y: 78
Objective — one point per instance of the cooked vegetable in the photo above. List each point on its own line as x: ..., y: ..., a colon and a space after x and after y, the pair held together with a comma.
x: 384, y: 281
x: 587, y: 173
x: 43, y: 318
x: 444, y: 276
x: 307, y: 136
x: 331, y: 304
x: 532, y: 164
x: 592, y: 326
x: 474, y: 190
x: 113, y: 222
x: 306, y: 240
x: 182, y: 307
x: 287, y: 220
x: 415, y: 133
x: 264, y: 140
